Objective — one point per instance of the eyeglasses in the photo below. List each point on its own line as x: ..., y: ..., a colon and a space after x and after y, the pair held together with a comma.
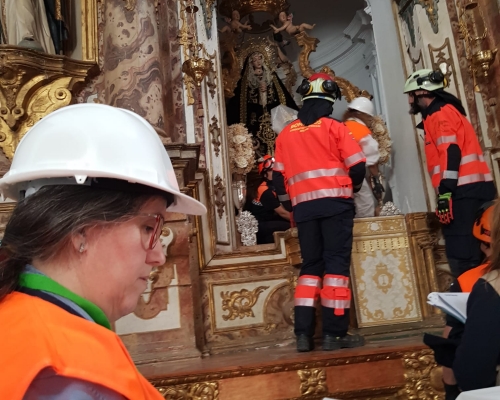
x: 156, y: 233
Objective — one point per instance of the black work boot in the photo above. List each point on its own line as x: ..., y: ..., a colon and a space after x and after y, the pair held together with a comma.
x: 304, y: 343
x: 340, y: 342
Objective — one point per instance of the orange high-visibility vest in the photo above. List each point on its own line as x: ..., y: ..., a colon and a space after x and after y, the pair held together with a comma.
x: 37, y: 334
x: 260, y: 191
x: 315, y: 159
x: 443, y: 128
x: 358, y: 131
x: 469, y: 278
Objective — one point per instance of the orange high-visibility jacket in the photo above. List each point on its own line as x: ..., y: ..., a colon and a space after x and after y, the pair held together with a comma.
x: 443, y: 128
x: 315, y: 159
x: 469, y: 278
x: 36, y: 334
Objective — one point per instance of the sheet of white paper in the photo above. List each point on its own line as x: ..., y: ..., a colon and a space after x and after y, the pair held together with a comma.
x: 454, y: 304
x: 481, y: 394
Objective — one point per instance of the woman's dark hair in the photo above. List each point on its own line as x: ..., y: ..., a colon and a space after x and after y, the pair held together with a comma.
x: 42, y: 224
x: 495, y: 238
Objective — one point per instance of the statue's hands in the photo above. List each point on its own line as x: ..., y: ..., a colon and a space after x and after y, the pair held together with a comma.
x: 377, y: 187
x: 263, y: 86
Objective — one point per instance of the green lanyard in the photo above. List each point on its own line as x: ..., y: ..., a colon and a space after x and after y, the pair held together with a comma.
x: 42, y: 282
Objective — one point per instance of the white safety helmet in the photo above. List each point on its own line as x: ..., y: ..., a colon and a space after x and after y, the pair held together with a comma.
x: 362, y: 104
x: 425, y: 79
x: 84, y: 141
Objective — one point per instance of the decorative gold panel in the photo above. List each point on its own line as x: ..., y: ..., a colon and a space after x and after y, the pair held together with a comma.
x: 239, y: 304
x: 312, y: 381
x: 33, y: 85
x: 423, y: 377
x: 90, y: 40
x: 192, y: 391
x: 220, y: 196
x: 382, y: 272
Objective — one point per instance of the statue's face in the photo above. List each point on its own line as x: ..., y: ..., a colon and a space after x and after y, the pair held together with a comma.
x: 236, y: 15
x: 282, y: 16
x: 257, y: 60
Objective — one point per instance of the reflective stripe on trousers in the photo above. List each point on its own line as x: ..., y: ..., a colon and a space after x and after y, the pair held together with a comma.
x: 336, y: 293
x: 307, y: 291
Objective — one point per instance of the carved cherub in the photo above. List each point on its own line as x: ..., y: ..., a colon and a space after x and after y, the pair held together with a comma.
x: 288, y: 26
x: 234, y: 24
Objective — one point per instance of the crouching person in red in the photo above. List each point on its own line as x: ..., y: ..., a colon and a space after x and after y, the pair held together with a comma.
x: 323, y: 166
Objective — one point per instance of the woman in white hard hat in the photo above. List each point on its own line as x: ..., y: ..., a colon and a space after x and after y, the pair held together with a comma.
x: 94, y: 185
x: 358, y: 119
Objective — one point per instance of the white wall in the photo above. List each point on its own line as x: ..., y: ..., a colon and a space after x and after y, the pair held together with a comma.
x: 406, y: 180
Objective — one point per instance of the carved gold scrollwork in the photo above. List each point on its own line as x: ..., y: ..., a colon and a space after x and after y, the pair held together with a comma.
x: 246, y: 7
x: 349, y: 91
x: 33, y: 85
x: 193, y: 391
x: 239, y: 303
x: 423, y: 377
x: 312, y: 381
x: 220, y: 196
x: 444, y: 55
x: 308, y: 44
x: 214, y: 130
x: 428, y: 241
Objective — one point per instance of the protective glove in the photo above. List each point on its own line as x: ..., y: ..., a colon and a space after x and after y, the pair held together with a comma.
x: 444, y: 209
x: 357, y: 188
x: 377, y: 188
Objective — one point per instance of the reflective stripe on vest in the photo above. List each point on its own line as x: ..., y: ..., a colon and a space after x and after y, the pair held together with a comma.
x: 446, y: 139
x: 354, y: 159
x: 472, y: 178
x: 319, y: 194
x: 450, y: 175
x: 307, y: 290
x: 278, y: 166
x: 318, y: 173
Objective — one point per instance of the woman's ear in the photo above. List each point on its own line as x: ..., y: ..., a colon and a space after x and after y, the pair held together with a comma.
x: 78, y: 240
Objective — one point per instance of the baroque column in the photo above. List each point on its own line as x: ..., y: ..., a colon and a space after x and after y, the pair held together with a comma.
x: 131, y: 68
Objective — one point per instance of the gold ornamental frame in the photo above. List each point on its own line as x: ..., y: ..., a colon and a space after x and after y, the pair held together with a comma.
x: 90, y: 38
x: 34, y: 84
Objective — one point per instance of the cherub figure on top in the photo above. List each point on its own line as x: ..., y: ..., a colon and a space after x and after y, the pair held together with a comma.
x: 288, y: 26
x: 234, y: 24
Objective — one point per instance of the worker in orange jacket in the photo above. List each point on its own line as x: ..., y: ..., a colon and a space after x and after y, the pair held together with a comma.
x: 265, y: 206
x: 445, y: 349
x: 323, y: 166
x: 358, y: 118
x: 455, y: 162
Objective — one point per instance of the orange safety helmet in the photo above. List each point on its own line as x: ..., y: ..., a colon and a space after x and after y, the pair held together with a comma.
x: 482, y: 225
x: 265, y: 164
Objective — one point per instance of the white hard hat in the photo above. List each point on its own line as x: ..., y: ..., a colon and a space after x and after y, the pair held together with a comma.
x: 362, y: 104
x: 94, y: 141
x: 425, y: 79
